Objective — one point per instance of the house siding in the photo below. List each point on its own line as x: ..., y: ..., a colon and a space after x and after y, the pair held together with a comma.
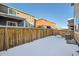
x: 43, y: 22
x: 28, y: 18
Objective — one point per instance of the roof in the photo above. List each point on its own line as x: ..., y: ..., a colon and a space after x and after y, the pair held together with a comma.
x: 11, y: 16
x: 45, y: 20
x: 16, y: 9
x: 70, y: 19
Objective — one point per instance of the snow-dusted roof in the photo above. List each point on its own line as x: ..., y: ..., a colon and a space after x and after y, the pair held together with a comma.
x: 71, y: 18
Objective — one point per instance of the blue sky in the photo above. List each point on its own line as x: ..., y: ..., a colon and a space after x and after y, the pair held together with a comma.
x: 55, y: 12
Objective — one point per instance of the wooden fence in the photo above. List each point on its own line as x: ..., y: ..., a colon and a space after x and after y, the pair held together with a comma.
x: 63, y: 33
x: 11, y: 37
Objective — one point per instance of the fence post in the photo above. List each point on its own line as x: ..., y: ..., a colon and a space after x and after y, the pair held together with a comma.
x: 6, y: 41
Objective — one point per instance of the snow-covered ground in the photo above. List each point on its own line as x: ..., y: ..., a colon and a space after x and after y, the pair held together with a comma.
x: 48, y: 46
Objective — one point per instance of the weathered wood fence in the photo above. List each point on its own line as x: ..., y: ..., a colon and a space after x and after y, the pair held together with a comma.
x: 76, y: 37
x: 11, y: 37
x: 66, y: 32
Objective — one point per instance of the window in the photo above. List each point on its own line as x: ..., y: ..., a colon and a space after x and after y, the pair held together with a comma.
x: 21, y: 23
x: 48, y: 27
x: 3, y: 9
x: 10, y: 23
x: 77, y: 24
x: 12, y: 11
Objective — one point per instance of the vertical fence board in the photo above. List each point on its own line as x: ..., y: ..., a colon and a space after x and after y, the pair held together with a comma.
x: 1, y: 39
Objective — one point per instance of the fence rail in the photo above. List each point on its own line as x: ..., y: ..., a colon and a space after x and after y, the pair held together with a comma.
x: 11, y: 37
x: 66, y: 32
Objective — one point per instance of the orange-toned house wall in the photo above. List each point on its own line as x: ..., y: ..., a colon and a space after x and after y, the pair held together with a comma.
x: 29, y: 18
x: 40, y: 22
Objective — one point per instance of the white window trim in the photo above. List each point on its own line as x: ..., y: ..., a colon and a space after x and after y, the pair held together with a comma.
x: 10, y: 13
x: 11, y: 22
x: 8, y: 10
x: 24, y: 24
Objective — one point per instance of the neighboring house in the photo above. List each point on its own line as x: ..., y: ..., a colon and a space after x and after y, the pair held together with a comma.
x: 76, y: 21
x: 42, y: 23
x: 71, y: 24
x: 12, y: 17
x: 76, y: 16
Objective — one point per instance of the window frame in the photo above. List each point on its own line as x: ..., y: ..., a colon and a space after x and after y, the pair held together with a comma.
x: 7, y: 23
x: 10, y: 11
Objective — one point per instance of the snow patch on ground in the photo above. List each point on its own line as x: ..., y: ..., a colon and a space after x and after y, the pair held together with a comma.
x: 48, y: 46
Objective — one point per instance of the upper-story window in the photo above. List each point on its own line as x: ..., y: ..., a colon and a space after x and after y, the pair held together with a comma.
x: 3, y: 9
x: 7, y: 10
x: 12, y: 11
